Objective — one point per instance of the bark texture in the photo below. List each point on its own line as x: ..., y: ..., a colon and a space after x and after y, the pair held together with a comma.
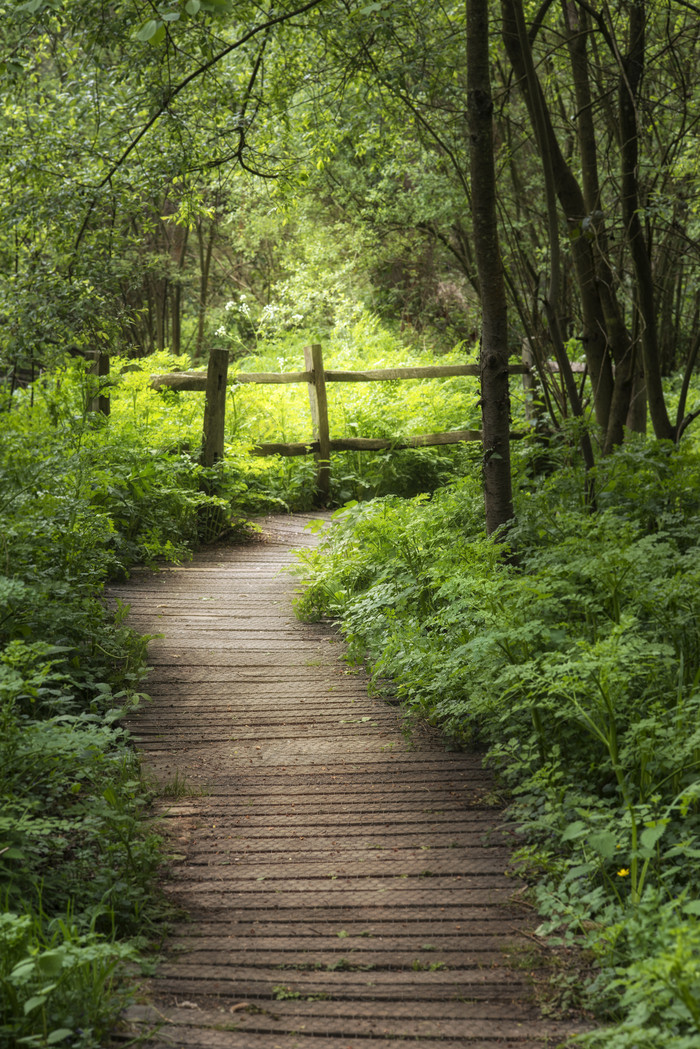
x: 495, y: 395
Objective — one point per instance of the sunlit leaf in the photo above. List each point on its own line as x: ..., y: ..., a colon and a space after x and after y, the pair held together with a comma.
x: 147, y: 31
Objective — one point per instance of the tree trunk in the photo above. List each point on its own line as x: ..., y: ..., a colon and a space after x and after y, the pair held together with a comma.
x: 495, y: 395
x: 636, y: 420
x: 177, y: 295
x: 553, y: 293
x: 205, y: 250
x: 594, y: 336
x: 577, y: 24
x: 630, y: 77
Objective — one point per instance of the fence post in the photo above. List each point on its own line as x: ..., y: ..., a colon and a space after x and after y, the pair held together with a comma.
x: 215, y: 408
x: 99, y: 402
x: 318, y: 401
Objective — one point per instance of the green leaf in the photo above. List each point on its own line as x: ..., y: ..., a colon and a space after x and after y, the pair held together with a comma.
x: 158, y: 36
x: 574, y: 830
x: 192, y: 7
x: 603, y: 843
x: 649, y: 837
x: 22, y: 970
x: 50, y: 963
x: 12, y: 853
x: 31, y: 6
x: 58, y: 1035
x: 171, y: 16
x: 315, y: 526
x: 147, y: 30
x: 692, y: 907
x: 34, y: 1003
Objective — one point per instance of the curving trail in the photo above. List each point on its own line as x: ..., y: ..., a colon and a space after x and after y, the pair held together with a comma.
x: 342, y: 886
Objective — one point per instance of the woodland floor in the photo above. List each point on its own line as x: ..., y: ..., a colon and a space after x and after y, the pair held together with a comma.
x: 340, y: 883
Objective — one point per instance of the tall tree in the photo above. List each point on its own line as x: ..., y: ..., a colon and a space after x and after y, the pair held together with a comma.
x: 493, y: 357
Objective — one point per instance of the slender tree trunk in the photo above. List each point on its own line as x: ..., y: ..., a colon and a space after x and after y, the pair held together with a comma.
x: 158, y: 312
x: 636, y: 420
x: 150, y: 316
x: 630, y: 77
x: 577, y: 25
x: 177, y: 294
x: 205, y: 251
x: 495, y: 395
x: 594, y: 335
x: 552, y: 297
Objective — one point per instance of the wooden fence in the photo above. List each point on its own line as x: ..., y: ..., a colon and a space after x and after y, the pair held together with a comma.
x: 214, y: 383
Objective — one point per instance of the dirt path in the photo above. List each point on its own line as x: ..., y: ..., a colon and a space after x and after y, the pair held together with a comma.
x: 341, y: 886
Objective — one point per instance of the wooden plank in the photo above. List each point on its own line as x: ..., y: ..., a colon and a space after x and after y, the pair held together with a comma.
x: 347, y: 985
x: 427, y: 924
x: 430, y: 371
x: 425, y: 440
x: 196, y: 380
x: 354, y: 947
x: 185, y: 381
x: 286, y: 449
x: 270, y: 1021
x: 200, y: 961
x: 229, y: 1037
x: 285, y: 1009
x: 272, y: 378
x: 423, y: 920
x: 325, y: 865
x: 367, y: 444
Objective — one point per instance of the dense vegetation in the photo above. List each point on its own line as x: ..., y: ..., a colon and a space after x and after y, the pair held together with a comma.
x: 577, y: 670
x: 84, y: 498
x: 190, y: 174
x: 79, y: 504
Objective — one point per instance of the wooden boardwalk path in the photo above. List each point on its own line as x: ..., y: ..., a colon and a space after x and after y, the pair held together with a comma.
x: 342, y: 886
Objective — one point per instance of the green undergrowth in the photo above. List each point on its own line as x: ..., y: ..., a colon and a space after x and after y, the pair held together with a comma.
x: 577, y: 670
x: 280, y: 413
x: 80, y: 501
x: 391, y: 410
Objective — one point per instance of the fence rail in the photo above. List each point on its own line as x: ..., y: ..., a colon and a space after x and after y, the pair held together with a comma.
x: 197, y: 380
x: 214, y: 383
x: 368, y: 444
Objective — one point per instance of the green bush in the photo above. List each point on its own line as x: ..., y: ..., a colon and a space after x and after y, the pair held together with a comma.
x: 56, y: 983
x: 578, y: 670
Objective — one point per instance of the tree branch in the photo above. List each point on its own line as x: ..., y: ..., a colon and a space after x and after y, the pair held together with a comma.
x: 264, y: 26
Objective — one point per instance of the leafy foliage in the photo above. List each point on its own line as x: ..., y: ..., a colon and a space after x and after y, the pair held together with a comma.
x: 578, y: 669
x: 55, y: 985
x: 81, y: 501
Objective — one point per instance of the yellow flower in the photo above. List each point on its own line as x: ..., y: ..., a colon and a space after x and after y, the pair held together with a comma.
x: 623, y: 873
